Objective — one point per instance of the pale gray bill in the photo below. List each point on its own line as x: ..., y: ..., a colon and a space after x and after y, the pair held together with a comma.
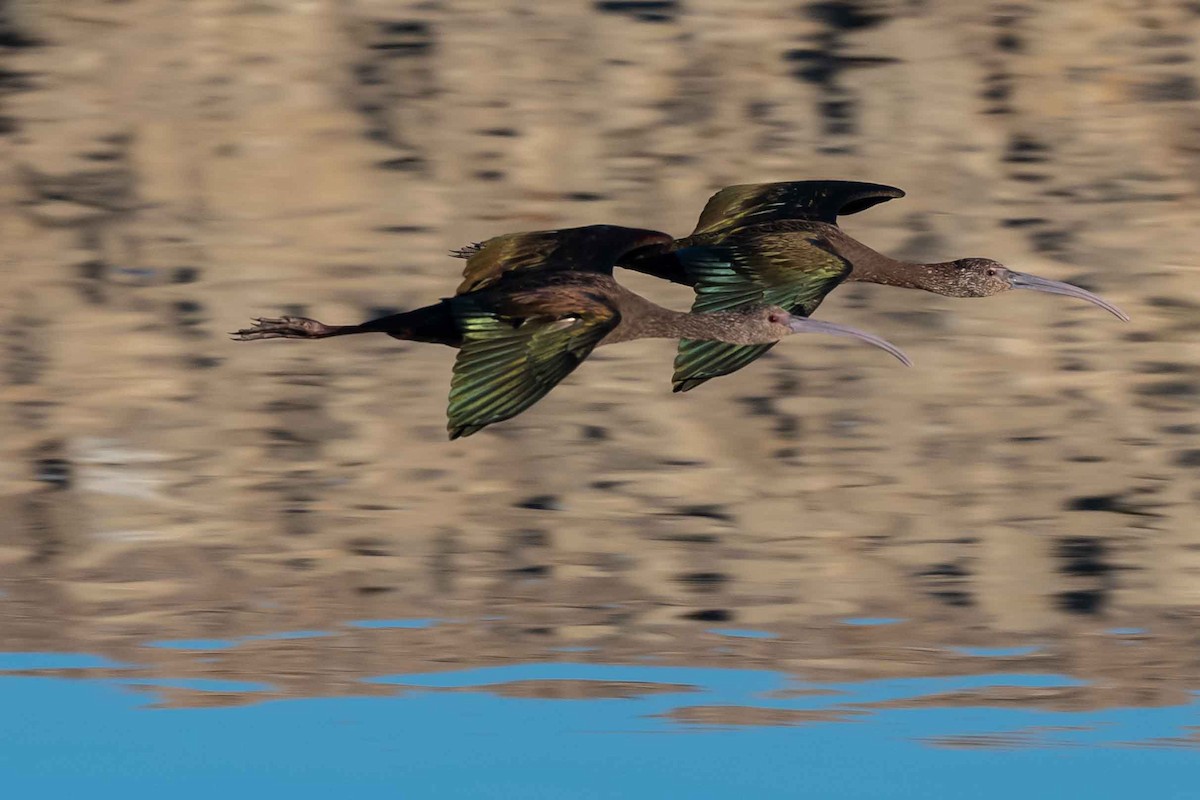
x: 1020, y: 280
x: 807, y: 325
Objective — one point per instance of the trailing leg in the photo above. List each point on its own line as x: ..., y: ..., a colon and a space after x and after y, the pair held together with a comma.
x: 429, y: 324
x: 291, y: 328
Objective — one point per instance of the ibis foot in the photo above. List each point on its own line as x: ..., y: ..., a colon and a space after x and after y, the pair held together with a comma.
x: 285, y: 328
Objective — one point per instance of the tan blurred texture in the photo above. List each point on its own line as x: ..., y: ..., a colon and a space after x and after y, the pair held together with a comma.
x: 172, y: 169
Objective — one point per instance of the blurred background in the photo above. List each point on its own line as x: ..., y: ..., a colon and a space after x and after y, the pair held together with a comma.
x: 219, y: 524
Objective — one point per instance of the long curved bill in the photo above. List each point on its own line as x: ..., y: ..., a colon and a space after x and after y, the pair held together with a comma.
x: 1020, y: 280
x: 808, y: 325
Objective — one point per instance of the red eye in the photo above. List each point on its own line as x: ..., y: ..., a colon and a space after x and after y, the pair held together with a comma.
x: 775, y: 318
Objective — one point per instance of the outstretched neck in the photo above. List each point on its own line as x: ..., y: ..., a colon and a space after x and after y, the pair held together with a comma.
x: 642, y: 319
x: 871, y: 266
x: 937, y: 277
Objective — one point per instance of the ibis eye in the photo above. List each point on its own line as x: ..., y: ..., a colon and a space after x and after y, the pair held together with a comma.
x: 991, y: 271
x: 775, y: 318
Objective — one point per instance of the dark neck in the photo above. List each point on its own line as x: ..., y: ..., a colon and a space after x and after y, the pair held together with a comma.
x: 642, y: 319
x: 870, y: 266
x: 654, y: 262
x: 937, y: 277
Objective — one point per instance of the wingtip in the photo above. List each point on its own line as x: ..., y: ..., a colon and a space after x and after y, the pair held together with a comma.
x: 460, y: 431
x: 887, y: 190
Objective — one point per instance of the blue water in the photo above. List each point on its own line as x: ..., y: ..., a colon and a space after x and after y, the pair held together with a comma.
x: 66, y: 737
x: 19, y: 661
x: 393, y: 623
x: 195, y: 644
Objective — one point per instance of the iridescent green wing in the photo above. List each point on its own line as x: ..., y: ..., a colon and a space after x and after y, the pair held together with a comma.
x: 697, y: 361
x: 792, y: 271
x: 590, y: 248
x: 745, y: 205
x: 516, y: 349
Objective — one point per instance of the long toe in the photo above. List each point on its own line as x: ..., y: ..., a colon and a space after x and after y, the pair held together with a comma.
x: 280, y: 328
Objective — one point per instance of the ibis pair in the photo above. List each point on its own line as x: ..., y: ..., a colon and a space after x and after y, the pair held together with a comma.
x: 533, y: 305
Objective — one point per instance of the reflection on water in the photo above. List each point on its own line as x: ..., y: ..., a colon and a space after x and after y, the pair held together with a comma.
x: 996, y: 652
x: 743, y: 634
x: 558, y: 727
x: 222, y: 644
x: 227, y: 566
x: 392, y: 623
x: 16, y: 662
x: 531, y: 650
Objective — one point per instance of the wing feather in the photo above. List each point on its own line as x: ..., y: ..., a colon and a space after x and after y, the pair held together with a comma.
x: 786, y: 270
x: 698, y: 361
x: 591, y: 248
x: 515, y: 350
x: 744, y: 205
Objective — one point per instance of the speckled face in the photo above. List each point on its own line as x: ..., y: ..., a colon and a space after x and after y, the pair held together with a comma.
x: 982, y: 277
x: 775, y: 320
x: 754, y: 324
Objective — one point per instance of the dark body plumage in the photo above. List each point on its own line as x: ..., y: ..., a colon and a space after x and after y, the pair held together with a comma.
x: 780, y: 243
x: 530, y: 309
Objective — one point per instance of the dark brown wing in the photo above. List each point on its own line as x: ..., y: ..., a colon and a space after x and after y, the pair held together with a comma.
x: 592, y: 248
x: 518, y: 344
x: 736, y: 207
